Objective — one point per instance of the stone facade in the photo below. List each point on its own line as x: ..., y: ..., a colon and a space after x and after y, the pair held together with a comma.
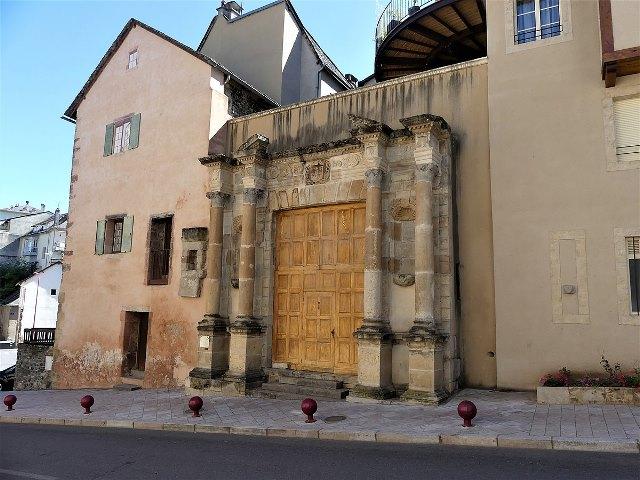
x: 33, y: 370
x: 382, y: 168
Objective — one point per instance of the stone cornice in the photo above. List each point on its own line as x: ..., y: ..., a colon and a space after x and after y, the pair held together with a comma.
x: 216, y: 159
x: 427, y: 123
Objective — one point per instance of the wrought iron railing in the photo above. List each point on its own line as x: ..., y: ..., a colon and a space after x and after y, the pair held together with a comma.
x: 39, y: 336
x: 395, y: 13
x: 159, y: 266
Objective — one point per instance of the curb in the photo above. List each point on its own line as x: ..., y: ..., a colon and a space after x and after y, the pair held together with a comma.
x: 504, y: 441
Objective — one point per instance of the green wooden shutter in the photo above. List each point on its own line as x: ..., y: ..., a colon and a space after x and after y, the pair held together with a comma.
x: 108, y: 140
x: 127, y: 234
x: 134, y: 136
x: 100, y: 236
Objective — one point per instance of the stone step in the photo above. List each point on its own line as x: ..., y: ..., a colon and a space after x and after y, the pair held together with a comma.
x: 311, y: 382
x: 285, y: 372
x: 302, y: 391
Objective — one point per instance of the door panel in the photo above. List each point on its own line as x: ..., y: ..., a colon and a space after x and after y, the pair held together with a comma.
x: 319, y: 287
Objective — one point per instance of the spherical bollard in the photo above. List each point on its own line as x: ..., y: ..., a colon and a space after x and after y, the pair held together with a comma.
x: 309, y: 406
x: 195, y: 404
x: 10, y: 400
x: 467, y: 410
x: 87, y: 402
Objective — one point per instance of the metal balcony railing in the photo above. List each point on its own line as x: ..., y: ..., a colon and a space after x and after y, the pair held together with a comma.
x: 39, y: 336
x: 395, y: 13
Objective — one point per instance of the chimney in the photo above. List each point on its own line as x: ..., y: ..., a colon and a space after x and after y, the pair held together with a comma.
x: 352, y: 79
x: 56, y: 217
x: 42, y: 206
x: 230, y: 10
x: 27, y: 202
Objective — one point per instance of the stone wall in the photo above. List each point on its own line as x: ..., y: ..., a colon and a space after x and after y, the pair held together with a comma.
x: 31, y: 373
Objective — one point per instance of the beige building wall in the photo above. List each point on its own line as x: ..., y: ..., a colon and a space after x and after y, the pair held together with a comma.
x: 173, y: 92
x: 458, y: 94
x: 252, y: 48
x: 555, y: 202
x: 625, y: 17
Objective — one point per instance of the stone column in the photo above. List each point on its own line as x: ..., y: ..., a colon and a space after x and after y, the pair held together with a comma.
x: 426, y: 345
x: 247, y: 268
x: 245, y: 349
x: 374, y: 336
x: 213, y: 337
x: 424, y: 241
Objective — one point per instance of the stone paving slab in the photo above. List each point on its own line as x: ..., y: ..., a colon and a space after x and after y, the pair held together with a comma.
x: 505, y: 419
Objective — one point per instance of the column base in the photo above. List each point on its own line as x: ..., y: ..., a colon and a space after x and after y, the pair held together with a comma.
x: 374, y: 362
x: 213, y: 323
x: 370, y: 393
x: 213, y: 347
x: 238, y: 385
x: 246, y: 325
x: 426, y: 398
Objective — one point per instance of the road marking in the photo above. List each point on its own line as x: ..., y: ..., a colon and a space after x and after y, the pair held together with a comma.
x: 27, y: 475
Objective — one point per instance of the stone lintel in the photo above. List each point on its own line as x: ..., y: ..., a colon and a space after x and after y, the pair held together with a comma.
x: 426, y: 398
x: 217, y: 159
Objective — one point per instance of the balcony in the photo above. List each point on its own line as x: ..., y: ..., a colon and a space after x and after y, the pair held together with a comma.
x: 39, y: 336
x: 417, y: 35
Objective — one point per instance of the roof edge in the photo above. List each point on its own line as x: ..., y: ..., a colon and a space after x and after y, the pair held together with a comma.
x: 71, y: 112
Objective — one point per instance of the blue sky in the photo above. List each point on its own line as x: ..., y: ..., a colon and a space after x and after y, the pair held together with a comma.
x: 48, y: 50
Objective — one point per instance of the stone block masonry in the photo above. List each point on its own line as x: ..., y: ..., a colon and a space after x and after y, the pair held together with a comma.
x: 32, y: 371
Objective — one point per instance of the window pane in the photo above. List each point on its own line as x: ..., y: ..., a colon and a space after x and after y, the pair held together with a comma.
x: 117, y: 236
x: 634, y: 284
x: 126, y: 135
x: 524, y: 6
x: 117, y: 140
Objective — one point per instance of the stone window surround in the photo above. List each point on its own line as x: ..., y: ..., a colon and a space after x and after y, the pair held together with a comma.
x: 625, y: 317
x: 511, y: 46
x: 582, y: 317
x: 611, y: 94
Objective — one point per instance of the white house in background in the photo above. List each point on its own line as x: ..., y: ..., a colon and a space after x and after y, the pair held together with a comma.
x: 20, y: 210
x: 44, y: 243
x: 39, y: 299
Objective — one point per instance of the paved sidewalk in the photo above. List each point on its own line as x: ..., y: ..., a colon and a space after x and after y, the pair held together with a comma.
x: 504, y: 419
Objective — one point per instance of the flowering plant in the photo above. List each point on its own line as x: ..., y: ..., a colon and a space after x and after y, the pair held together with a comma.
x: 615, y: 377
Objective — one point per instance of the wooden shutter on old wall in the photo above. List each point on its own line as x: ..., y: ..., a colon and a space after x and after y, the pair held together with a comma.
x: 134, y: 136
x: 108, y: 140
x: 127, y: 234
x: 100, y: 228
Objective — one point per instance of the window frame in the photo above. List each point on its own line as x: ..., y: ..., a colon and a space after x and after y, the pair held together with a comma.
x: 626, y: 315
x: 168, y: 240
x: 123, y: 123
x: 612, y: 94
x: 136, y: 58
x: 511, y: 33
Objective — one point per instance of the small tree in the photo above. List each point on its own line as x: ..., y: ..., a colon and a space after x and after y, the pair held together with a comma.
x: 12, y: 273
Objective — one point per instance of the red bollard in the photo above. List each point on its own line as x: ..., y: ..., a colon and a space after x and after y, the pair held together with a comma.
x: 10, y: 400
x: 87, y: 402
x: 467, y: 410
x: 309, y: 406
x: 195, y: 404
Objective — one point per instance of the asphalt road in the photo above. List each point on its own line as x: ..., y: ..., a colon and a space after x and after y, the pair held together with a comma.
x: 51, y: 452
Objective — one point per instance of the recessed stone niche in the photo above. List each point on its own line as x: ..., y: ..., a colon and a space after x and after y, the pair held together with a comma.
x: 192, y: 261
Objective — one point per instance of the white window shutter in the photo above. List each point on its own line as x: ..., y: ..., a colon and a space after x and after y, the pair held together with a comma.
x: 633, y: 247
x: 626, y: 117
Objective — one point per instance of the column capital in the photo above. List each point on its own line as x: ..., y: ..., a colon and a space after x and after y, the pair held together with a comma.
x: 374, y: 177
x: 218, y: 198
x: 426, y: 172
x: 252, y: 195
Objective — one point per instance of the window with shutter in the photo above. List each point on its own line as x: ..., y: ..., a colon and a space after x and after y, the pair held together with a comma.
x: 108, y: 140
x: 626, y: 118
x: 135, y: 131
x: 633, y: 255
x: 100, y: 231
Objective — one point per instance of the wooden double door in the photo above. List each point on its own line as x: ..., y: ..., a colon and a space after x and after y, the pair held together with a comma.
x: 319, y: 285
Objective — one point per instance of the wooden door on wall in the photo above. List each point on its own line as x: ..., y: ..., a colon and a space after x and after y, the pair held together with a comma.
x: 319, y: 287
